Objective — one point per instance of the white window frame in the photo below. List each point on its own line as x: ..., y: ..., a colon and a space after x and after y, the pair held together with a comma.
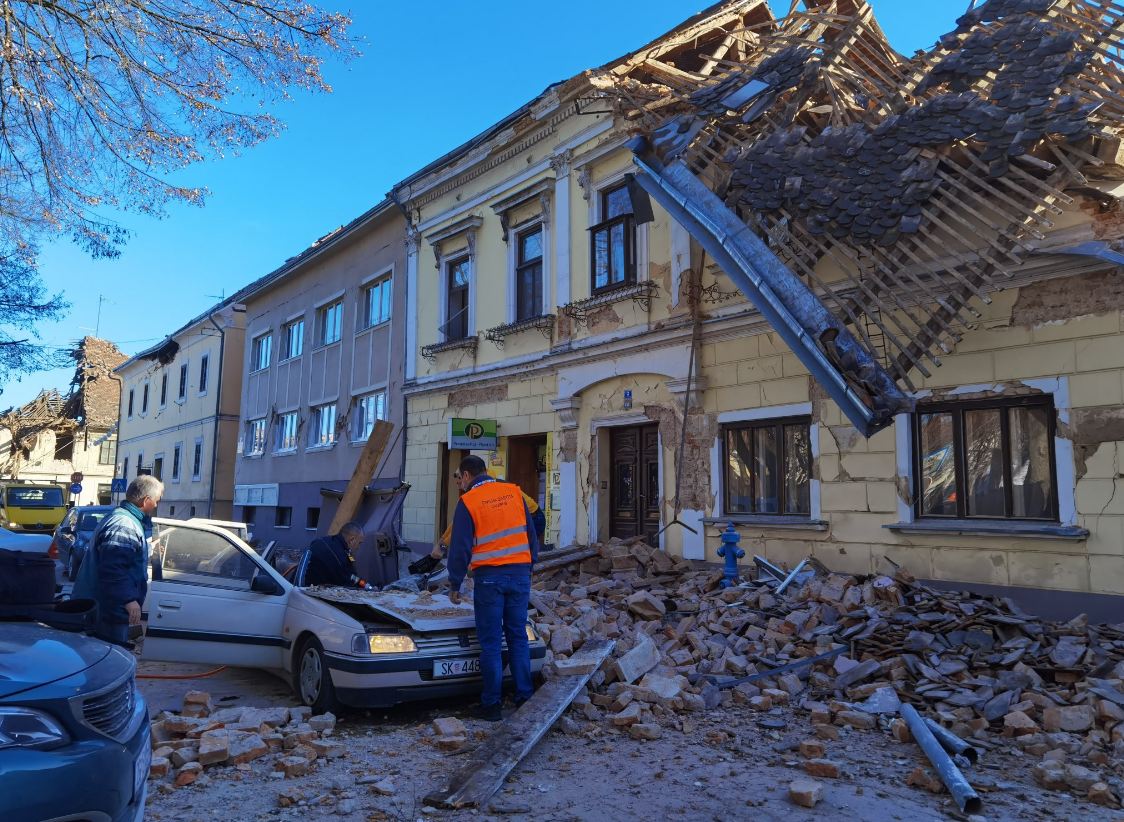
x: 359, y: 437
x: 543, y: 221
x: 321, y: 436
x: 322, y: 309
x: 250, y: 425
x: 184, y: 383
x: 383, y: 277
x: 255, y: 351
x: 753, y: 415
x: 280, y: 433
x: 159, y: 456
x: 1065, y: 476
x: 196, y: 476
x: 286, y: 353
x: 204, y: 374
x: 446, y: 260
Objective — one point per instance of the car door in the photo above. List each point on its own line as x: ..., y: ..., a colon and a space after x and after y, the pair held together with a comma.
x: 212, y: 600
x: 65, y: 535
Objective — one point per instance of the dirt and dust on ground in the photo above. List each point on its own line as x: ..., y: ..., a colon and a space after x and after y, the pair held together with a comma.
x: 662, y: 730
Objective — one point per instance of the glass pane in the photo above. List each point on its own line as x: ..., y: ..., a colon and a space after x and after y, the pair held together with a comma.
x: 938, y: 466
x: 458, y: 274
x: 385, y: 292
x: 1031, y: 480
x: 601, y: 258
x: 766, y: 465
x: 739, y: 488
x: 617, y: 242
x: 797, y: 460
x: 652, y: 500
x: 983, y: 449
x: 202, y: 558
x: 530, y: 246
x: 626, y: 485
x: 617, y: 202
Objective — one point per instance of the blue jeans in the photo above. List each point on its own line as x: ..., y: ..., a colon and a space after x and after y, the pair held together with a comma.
x: 500, y: 601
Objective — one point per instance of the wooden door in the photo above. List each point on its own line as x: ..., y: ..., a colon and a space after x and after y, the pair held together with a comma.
x: 634, y: 484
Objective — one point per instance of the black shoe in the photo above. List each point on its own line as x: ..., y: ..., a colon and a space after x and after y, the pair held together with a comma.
x: 489, y: 713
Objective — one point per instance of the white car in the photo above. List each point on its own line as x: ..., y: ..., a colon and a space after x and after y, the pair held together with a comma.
x: 20, y: 541
x: 214, y: 600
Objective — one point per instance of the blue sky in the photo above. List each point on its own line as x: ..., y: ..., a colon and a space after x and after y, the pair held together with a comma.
x: 431, y: 75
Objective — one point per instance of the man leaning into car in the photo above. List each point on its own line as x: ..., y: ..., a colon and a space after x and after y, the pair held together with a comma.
x: 115, y: 572
x: 493, y: 535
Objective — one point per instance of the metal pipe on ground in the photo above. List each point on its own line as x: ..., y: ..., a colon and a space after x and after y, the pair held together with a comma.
x: 963, y: 794
x: 952, y: 743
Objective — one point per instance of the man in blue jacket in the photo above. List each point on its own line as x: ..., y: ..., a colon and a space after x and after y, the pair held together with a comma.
x: 115, y: 569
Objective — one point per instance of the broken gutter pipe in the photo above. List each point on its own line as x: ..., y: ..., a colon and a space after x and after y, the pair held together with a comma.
x: 963, y: 794
x: 792, y: 576
x: 952, y: 743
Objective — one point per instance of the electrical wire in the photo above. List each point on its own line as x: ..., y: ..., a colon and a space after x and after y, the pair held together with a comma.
x: 203, y: 675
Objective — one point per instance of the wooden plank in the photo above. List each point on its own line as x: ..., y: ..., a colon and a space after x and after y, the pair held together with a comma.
x: 569, y: 559
x: 364, y: 469
x: 479, y: 779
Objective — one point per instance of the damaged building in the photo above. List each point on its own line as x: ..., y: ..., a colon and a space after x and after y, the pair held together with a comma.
x: 54, y: 437
x: 770, y: 272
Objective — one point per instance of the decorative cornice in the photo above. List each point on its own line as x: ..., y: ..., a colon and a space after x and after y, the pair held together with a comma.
x: 567, y: 409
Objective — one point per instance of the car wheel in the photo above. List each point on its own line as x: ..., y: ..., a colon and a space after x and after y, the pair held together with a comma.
x: 311, y: 678
x: 71, y: 567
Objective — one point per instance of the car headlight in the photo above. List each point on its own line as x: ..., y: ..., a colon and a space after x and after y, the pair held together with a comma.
x: 382, y: 644
x: 28, y: 728
x: 531, y: 635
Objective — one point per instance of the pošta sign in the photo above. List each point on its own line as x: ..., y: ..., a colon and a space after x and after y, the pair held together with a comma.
x: 472, y: 435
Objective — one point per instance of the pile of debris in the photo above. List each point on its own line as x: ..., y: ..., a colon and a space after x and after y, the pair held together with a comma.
x: 201, y: 738
x: 849, y: 650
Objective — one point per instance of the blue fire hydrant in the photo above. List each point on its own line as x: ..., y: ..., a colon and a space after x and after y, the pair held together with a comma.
x: 730, y: 550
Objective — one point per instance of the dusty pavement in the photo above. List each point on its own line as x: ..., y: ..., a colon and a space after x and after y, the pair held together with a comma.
x: 723, y: 765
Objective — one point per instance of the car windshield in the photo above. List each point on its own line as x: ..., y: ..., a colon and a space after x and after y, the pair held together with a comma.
x: 35, y: 497
x: 89, y: 522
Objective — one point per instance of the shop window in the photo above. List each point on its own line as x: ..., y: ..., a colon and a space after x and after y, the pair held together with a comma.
x: 528, y: 274
x: 768, y: 467
x: 613, y: 241
x: 158, y: 467
x: 987, y: 459
x: 283, y: 517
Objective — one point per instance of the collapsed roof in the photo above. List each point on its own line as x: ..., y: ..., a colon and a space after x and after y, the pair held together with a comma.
x: 864, y: 201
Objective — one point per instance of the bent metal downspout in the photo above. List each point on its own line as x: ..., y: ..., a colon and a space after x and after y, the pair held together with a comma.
x: 786, y: 302
x: 218, y: 419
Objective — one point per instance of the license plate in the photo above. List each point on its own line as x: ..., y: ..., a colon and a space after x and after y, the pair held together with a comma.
x: 456, y: 667
x: 142, y: 765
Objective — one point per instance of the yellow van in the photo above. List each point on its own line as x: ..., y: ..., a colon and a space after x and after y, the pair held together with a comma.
x: 30, y: 506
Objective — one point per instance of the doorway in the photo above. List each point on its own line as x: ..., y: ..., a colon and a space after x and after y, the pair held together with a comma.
x: 634, y: 482
x: 526, y: 466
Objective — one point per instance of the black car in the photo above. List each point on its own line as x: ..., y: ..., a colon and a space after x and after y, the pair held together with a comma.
x: 72, y: 536
x: 74, y: 733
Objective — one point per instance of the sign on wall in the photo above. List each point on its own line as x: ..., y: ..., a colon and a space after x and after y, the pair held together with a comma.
x: 473, y: 435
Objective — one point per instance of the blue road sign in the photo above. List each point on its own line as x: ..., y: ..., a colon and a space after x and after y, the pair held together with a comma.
x: 76, y: 488
x: 119, y: 485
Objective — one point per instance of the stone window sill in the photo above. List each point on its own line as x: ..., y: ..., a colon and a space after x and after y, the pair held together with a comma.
x: 768, y: 523
x: 991, y: 528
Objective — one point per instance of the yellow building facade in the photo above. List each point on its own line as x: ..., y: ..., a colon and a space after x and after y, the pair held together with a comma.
x: 636, y: 392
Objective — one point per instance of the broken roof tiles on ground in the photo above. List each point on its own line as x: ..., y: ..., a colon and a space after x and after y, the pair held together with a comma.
x: 923, y: 183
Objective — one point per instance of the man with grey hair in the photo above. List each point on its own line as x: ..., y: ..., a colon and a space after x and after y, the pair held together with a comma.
x: 330, y: 560
x: 114, y: 571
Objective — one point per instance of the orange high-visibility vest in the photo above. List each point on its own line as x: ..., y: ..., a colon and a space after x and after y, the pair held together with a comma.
x: 500, y: 520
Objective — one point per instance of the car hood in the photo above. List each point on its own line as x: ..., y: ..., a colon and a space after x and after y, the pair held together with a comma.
x: 422, y: 612
x: 32, y: 543
x: 32, y: 655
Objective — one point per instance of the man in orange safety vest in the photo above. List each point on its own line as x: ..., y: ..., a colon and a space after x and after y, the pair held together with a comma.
x: 493, y: 535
